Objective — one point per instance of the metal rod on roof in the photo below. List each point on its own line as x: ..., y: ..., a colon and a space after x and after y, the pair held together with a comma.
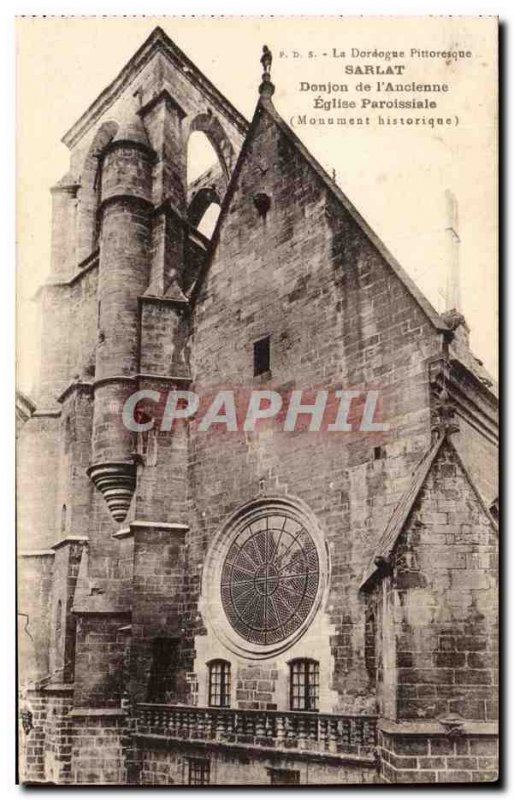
x: 453, y: 293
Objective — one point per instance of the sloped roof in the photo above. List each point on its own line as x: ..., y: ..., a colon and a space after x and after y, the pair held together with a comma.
x: 265, y: 104
x: 475, y: 366
x: 133, y: 130
x: 25, y: 407
x: 409, y: 284
x: 400, y: 514
x: 396, y: 523
x: 158, y: 41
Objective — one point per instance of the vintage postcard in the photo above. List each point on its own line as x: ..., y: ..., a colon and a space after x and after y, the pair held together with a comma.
x: 257, y: 413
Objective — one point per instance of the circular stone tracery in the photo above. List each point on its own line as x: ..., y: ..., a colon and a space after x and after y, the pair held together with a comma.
x: 270, y: 578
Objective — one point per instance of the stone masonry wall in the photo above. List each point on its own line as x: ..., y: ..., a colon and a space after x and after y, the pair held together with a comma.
x: 337, y: 316
x: 438, y: 759
x: 171, y: 766
x: 34, y: 616
x: 446, y: 607
x: 158, y: 599
x: 31, y: 747
x: 98, y: 750
x: 100, y: 660
x: 58, y: 734
x: 480, y: 456
x: 37, y: 458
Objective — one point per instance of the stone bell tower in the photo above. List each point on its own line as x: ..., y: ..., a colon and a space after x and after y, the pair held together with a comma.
x: 127, y: 199
x: 126, y: 252
x: 125, y: 219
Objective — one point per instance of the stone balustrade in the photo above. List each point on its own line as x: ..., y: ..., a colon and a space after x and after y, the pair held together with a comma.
x: 307, y: 731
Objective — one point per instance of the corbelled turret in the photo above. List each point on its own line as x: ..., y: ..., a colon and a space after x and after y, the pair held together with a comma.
x: 125, y: 247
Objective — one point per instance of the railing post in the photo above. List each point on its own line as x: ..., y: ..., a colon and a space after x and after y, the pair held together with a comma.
x: 312, y: 729
x: 357, y: 733
x: 333, y: 730
x: 199, y: 724
x: 220, y: 725
x: 322, y: 732
x: 208, y: 725
x: 280, y: 729
x: 301, y: 733
x: 346, y: 736
x: 260, y: 729
x: 369, y: 734
x: 291, y: 727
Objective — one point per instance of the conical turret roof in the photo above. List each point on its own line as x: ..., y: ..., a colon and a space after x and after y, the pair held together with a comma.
x: 133, y: 130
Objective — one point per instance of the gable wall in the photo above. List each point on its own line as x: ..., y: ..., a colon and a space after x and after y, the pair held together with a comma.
x: 481, y: 457
x: 445, y: 586
x: 337, y: 316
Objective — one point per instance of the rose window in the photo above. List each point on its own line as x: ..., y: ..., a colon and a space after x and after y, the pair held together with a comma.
x: 270, y: 578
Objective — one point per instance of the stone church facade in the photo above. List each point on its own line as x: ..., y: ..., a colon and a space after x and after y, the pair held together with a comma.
x: 233, y: 606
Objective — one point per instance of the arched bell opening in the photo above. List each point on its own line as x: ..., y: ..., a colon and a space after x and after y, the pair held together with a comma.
x: 89, y: 193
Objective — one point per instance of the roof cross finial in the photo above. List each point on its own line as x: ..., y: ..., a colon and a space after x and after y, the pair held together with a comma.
x: 266, y: 89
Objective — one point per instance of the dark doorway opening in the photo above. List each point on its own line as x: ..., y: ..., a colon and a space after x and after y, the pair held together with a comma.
x: 162, y: 686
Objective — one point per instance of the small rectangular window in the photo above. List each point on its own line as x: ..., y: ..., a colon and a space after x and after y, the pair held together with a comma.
x: 219, y: 684
x: 261, y: 356
x: 284, y: 777
x: 199, y: 772
x: 304, y: 684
